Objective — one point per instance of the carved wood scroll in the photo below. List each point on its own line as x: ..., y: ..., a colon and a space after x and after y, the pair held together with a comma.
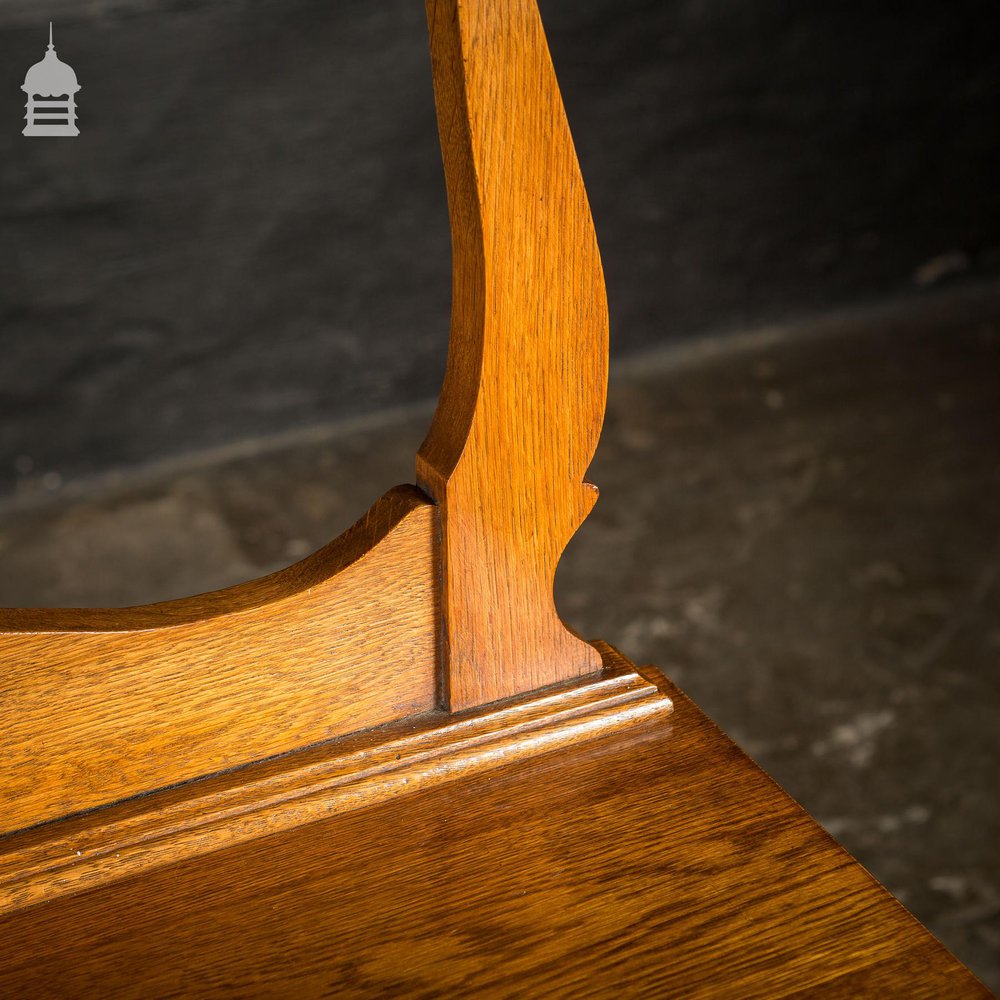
x: 523, y: 399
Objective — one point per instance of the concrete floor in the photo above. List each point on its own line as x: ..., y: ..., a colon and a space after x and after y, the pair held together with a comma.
x: 800, y: 526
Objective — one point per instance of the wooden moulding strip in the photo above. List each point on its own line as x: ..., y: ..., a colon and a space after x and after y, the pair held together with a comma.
x: 218, y: 812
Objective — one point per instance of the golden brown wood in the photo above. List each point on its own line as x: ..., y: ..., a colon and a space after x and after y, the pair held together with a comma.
x: 96, y: 705
x: 523, y: 398
x: 570, y: 842
x: 199, y: 817
x: 655, y: 861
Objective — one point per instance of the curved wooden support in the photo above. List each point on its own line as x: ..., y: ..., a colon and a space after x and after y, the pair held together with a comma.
x: 523, y: 399
x: 97, y: 705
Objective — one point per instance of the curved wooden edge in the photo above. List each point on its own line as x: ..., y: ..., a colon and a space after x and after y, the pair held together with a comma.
x: 380, y: 519
x: 99, y: 705
x: 523, y: 400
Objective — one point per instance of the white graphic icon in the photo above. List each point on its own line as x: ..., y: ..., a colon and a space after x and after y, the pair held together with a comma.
x: 51, y: 88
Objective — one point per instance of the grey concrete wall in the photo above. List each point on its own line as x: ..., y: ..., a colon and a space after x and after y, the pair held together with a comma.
x: 250, y: 234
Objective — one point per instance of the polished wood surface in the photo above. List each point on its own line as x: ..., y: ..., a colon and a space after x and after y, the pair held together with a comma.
x: 576, y: 839
x: 105, y: 845
x: 97, y: 705
x: 523, y: 399
x: 655, y: 861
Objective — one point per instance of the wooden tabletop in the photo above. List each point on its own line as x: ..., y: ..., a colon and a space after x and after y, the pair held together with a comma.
x: 658, y: 861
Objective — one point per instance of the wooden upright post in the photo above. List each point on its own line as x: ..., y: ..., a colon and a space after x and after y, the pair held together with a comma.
x: 523, y: 399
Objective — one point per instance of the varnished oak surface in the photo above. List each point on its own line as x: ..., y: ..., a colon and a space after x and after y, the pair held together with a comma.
x: 97, y: 705
x: 523, y: 399
x: 658, y: 861
x: 199, y: 817
x: 574, y: 844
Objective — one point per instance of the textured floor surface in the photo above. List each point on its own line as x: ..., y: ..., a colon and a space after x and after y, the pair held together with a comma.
x: 801, y: 527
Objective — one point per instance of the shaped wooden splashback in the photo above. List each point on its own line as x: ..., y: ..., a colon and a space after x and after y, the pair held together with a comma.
x: 421, y: 605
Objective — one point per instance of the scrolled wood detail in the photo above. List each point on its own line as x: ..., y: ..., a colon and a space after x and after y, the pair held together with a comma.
x: 524, y: 393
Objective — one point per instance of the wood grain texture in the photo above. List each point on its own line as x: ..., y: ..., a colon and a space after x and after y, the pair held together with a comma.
x: 523, y: 398
x: 98, y: 705
x: 655, y: 861
x: 566, y: 843
x: 105, y: 845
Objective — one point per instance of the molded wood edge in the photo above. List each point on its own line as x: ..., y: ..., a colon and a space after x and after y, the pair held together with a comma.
x: 111, y: 843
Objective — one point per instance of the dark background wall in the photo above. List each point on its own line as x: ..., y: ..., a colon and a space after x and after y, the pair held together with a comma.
x: 250, y: 233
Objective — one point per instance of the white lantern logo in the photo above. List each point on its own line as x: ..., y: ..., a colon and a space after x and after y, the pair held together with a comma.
x: 51, y: 88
